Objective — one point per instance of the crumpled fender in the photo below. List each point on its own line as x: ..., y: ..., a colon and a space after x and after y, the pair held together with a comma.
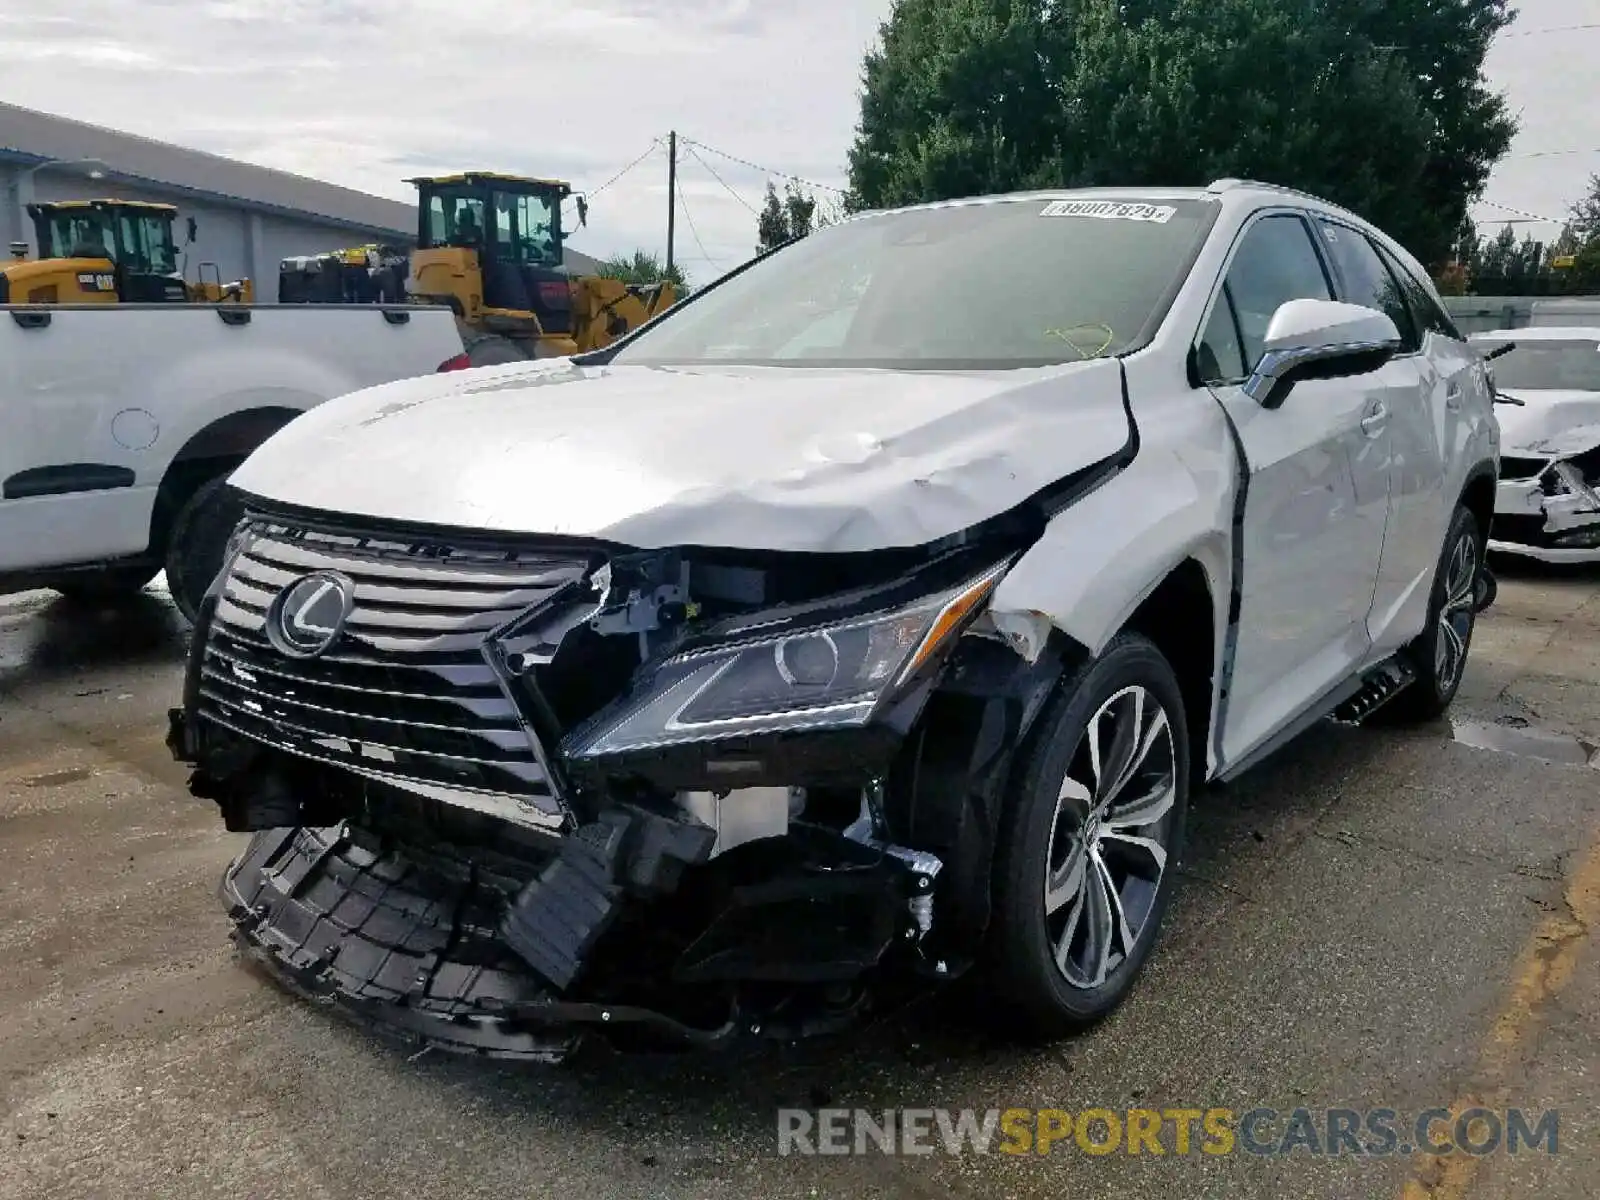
x: 1100, y: 558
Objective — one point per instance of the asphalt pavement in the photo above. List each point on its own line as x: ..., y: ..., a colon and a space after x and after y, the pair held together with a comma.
x: 1374, y: 919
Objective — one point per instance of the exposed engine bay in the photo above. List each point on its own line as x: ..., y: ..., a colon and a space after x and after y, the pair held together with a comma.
x: 505, y: 792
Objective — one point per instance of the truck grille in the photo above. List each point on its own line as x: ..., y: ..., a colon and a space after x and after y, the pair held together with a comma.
x: 406, y: 694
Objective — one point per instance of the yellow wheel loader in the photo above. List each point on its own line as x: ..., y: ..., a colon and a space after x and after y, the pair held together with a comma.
x: 490, y: 246
x: 106, y: 251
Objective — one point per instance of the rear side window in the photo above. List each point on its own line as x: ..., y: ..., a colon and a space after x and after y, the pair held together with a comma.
x: 1276, y: 262
x: 1424, y: 308
x: 1367, y: 280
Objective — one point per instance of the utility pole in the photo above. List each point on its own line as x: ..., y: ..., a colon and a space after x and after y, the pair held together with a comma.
x: 672, y: 191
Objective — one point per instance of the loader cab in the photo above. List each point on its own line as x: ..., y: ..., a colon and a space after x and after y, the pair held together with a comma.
x: 490, y: 246
x: 101, y: 251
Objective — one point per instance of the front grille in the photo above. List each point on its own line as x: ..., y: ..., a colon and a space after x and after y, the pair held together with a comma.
x: 407, y: 693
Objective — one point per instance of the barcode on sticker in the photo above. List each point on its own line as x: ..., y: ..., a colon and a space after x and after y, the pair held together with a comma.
x: 1110, y: 210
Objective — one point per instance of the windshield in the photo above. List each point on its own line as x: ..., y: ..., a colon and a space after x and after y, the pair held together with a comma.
x: 147, y: 244
x: 994, y: 284
x: 525, y: 229
x: 1548, y: 365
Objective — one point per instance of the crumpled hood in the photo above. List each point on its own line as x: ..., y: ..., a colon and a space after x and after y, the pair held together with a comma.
x: 1550, y: 423
x: 803, y: 459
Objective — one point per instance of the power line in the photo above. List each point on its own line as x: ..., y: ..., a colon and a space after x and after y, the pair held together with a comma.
x: 1523, y: 213
x: 1554, y: 153
x: 688, y: 219
x: 1551, y: 29
x: 745, y: 162
x: 720, y: 179
x: 654, y: 145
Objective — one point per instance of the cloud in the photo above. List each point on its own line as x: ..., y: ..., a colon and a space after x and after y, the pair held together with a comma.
x: 368, y: 92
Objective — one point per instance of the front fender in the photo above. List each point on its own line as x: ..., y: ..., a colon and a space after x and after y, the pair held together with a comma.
x: 1098, y: 560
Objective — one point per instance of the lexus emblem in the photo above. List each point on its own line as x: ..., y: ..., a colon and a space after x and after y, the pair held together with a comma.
x: 308, y: 615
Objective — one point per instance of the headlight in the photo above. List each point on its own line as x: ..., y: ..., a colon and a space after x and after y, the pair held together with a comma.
x: 772, y: 676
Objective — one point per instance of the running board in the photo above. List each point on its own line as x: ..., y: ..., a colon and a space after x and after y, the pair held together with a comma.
x: 1378, y: 686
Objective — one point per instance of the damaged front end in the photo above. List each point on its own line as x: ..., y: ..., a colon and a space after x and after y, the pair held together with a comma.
x: 503, y: 794
x: 1548, y: 502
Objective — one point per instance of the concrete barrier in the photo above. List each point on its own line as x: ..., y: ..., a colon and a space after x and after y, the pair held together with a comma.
x: 1475, y: 314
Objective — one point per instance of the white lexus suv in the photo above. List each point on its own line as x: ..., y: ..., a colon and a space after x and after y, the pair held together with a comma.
x: 863, y: 621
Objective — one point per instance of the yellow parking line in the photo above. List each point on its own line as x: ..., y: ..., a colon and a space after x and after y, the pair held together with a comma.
x: 1543, y: 968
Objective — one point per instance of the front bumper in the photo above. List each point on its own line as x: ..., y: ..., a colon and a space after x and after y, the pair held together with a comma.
x: 408, y: 955
x: 403, y: 919
x: 1534, y: 523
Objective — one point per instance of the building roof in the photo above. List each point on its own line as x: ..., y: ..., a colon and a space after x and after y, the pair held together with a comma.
x: 32, y: 137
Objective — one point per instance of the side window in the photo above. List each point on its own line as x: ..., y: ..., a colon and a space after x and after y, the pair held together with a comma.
x: 1219, y: 356
x: 1275, y: 263
x: 1367, y: 280
x: 1424, y: 308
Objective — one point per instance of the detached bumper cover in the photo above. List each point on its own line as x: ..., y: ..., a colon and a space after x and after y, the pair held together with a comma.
x: 406, y: 953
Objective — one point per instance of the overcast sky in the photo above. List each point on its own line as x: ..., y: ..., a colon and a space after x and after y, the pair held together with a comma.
x: 368, y: 92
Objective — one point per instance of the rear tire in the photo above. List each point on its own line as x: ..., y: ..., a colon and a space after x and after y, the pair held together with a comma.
x: 104, y: 585
x: 1439, y: 654
x: 197, y: 540
x: 492, y: 350
x: 1090, y: 839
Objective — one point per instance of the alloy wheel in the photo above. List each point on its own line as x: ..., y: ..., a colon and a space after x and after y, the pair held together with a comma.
x: 1109, y: 837
x: 1457, y: 613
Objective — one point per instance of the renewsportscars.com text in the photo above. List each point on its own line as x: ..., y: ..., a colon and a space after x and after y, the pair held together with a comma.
x: 1264, y: 1132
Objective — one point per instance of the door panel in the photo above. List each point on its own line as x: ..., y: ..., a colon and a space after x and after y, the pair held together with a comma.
x: 1431, y: 451
x: 1316, y: 496
x: 1315, y: 510
x: 1416, y: 389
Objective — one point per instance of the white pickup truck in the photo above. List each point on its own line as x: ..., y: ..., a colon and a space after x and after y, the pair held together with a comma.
x: 118, y: 424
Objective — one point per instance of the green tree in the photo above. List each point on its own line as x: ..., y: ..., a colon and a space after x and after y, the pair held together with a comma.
x: 1586, y: 213
x: 1380, y: 105
x: 641, y: 267
x: 784, y: 218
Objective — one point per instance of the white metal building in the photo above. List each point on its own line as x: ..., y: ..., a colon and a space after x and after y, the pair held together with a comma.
x: 247, y: 218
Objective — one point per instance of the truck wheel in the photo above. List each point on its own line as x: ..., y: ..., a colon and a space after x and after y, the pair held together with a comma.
x: 492, y: 350
x: 105, y: 584
x: 1439, y: 655
x: 197, y: 540
x: 1089, y: 840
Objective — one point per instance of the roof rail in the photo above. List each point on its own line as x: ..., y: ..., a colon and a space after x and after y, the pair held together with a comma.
x: 1228, y: 185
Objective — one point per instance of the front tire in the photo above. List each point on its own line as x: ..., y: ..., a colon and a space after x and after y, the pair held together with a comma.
x: 1090, y: 839
x: 1439, y: 654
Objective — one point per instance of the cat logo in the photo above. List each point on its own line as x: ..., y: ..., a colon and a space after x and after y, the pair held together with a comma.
x: 97, y: 281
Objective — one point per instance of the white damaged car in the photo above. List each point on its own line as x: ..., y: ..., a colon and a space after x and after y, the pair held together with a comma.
x: 863, y: 621
x: 1548, y: 380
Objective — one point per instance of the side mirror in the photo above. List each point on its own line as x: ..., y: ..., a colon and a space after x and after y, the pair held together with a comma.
x: 193, y: 230
x: 1319, y: 339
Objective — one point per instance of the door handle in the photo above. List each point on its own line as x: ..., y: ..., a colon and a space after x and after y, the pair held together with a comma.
x: 1375, y: 421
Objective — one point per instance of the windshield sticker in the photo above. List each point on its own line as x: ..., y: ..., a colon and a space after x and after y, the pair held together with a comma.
x: 1110, y: 210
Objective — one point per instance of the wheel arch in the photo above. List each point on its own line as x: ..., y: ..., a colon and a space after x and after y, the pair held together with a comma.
x: 947, y: 790
x: 216, y: 447
x: 1478, y: 495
